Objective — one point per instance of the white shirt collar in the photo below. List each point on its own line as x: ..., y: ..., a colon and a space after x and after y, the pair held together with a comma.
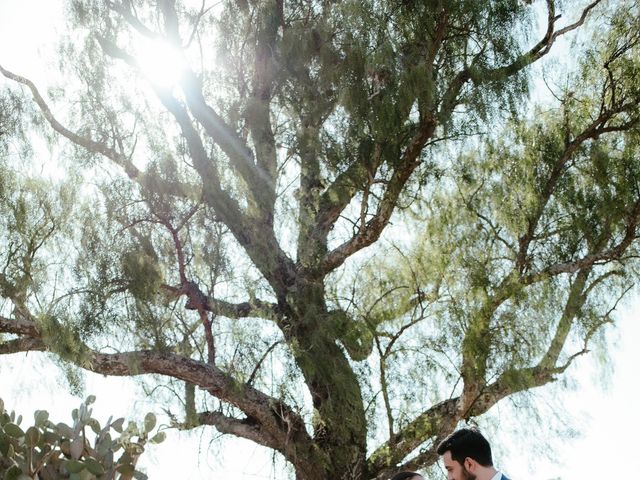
x: 497, y: 476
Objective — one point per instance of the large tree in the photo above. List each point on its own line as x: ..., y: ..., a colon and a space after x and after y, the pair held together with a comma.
x: 343, y: 227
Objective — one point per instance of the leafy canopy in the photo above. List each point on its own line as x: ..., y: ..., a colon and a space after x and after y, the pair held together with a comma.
x: 337, y: 229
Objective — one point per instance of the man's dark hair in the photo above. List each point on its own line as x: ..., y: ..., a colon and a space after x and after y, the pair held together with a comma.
x: 405, y: 475
x: 467, y: 442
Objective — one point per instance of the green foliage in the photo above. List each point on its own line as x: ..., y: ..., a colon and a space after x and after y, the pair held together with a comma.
x: 141, y: 274
x: 51, y: 451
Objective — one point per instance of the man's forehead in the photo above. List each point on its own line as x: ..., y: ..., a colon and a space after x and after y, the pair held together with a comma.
x: 446, y: 457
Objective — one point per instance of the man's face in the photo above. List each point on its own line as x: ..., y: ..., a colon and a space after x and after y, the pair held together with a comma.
x: 456, y: 471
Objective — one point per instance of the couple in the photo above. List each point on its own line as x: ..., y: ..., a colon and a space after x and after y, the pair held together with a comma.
x: 466, y: 455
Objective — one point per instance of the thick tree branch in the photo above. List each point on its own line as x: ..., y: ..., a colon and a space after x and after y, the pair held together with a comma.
x: 261, y: 184
x: 19, y: 326
x: 539, y: 50
x: 282, y: 428
x: 440, y: 418
x: 311, y: 112
x: 273, y: 424
x: 208, y: 377
x: 374, y: 227
x: 312, y: 243
x: 338, y: 195
x: 476, y: 344
x: 259, y: 111
x: 604, y: 256
x: 127, y: 13
x: 515, y: 380
x: 574, y: 303
x: 256, y: 238
x: 22, y: 345
x: 547, y: 369
x: 258, y: 181
x: 511, y: 382
x: 246, y: 428
x: 296, y: 446
x: 171, y: 21
x: 597, y: 127
x: 279, y: 421
x: 255, y: 308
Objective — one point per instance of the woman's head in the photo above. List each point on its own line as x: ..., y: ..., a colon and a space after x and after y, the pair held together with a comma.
x: 407, y: 476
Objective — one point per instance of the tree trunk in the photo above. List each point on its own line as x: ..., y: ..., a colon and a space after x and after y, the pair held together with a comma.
x: 339, y: 418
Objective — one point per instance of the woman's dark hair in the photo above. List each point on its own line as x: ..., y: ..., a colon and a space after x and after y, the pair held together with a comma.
x: 467, y: 442
x: 405, y: 475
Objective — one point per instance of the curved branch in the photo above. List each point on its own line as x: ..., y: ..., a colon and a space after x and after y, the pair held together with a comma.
x: 338, y: 195
x: 293, y: 447
x: 374, y: 227
x: 206, y: 376
x: 22, y: 345
x: 442, y: 418
x: 427, y: 456
x: 575, y: 301
x: 19, y: 326
x: 86, y: 142
x: 537, y: 51
x: 260, y: 243
x: 586, y: 262
x: 232, y: 145
x: 168, y: 187
x: 245, y: 428
x: 277, y: 419
x: 255, y: 308
x: 597, y: 127
x: 438, y: 420
x: 261, y: 360
x: 258, y: 239
x: 127, y: 13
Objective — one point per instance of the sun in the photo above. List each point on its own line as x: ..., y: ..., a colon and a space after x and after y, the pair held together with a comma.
x: 161, y: 62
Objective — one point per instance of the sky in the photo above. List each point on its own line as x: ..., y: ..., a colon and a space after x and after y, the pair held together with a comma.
x: 600, y: 407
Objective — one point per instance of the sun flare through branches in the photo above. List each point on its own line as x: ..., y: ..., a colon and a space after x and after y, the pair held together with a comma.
x: 161, y: 62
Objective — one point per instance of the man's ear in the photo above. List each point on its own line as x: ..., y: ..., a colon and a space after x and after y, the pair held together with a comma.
x: 470, y: 464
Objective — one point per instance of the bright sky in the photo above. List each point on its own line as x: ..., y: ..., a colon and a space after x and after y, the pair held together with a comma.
x: 601, y: 411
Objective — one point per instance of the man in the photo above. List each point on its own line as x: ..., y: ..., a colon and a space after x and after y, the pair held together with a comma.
x: 467, y: 456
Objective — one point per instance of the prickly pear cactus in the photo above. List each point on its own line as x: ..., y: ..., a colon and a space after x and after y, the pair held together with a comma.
x: 83, y: 451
